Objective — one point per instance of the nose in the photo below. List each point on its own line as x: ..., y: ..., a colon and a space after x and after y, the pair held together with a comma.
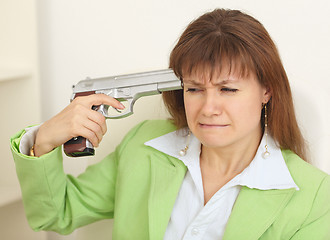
x: 212, y: 104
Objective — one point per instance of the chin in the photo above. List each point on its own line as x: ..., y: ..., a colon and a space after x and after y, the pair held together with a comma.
x: 215, y: 145
x: 215, y: 142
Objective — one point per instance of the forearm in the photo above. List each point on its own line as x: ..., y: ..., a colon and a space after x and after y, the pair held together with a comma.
x: 56, y: 201
x: 39, y: 179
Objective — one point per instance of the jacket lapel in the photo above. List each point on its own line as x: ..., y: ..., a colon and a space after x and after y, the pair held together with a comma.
x: 254, y: 211
x: 167, y: 175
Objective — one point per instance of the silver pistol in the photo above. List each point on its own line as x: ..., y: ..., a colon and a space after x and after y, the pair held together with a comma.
x: 126, y: 89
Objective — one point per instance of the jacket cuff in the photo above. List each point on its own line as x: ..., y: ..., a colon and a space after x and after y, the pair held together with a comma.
x: 28, y: 139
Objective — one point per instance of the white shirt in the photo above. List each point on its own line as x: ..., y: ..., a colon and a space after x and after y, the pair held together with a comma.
x: 190, y: 219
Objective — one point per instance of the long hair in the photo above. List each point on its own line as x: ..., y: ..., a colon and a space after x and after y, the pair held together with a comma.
x: 223, y: 37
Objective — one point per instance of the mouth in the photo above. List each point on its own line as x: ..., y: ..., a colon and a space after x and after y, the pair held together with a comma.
x: 211, y: 125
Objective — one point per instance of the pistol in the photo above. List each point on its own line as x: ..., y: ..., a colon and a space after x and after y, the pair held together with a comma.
x: 125, y: 88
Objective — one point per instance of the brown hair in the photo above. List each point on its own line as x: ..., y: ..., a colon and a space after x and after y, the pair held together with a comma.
x: 231, y: 37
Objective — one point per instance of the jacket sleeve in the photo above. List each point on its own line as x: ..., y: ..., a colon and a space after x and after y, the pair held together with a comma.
x: 317, y: 224
x: 59, y: 202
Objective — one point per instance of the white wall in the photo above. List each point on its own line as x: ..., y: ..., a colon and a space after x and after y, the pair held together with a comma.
x: 19, y: 83
x: 80, y: 38
x: 19, y: 104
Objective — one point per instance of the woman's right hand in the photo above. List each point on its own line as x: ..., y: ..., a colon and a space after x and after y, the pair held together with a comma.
x: 77, y: 119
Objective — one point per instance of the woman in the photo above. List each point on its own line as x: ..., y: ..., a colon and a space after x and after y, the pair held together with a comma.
x: 227, y: 166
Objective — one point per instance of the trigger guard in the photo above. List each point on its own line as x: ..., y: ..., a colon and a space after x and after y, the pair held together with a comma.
x: 123, y: 112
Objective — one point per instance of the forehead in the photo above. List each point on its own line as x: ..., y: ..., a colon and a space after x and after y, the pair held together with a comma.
x: 204, y: 73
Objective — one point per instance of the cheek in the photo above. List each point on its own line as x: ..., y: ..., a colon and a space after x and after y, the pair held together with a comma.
x: 190, y: 108
x: 251, y: 113
x: 248, y: 113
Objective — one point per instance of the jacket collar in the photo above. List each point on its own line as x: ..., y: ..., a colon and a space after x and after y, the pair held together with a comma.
x: 262, y: 173
x: 254, y: 206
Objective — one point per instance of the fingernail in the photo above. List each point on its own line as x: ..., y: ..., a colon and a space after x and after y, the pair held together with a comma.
x: 121, y: 105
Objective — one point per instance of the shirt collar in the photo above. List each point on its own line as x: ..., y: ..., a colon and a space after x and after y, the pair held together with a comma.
x: 262, y: 173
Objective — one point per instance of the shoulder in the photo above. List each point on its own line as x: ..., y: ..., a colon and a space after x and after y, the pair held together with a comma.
x: 150, y: 129
x: 134, y: 159
x: 313, y: 183
x: 311, y: 203
x: 303, y: 172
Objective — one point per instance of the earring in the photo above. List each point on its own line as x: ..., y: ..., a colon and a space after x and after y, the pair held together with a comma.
x: 266, y: 153
x: 184, y: 151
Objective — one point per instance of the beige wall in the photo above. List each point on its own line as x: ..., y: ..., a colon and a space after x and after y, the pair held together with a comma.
x: 19, y: 83
x: 14, y: 225
x: 20, y: 106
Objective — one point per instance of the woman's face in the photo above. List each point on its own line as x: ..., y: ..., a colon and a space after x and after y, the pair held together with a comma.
x: 224, y: 111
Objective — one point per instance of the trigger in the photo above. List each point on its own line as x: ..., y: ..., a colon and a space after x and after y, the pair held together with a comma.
x: 117, y: 110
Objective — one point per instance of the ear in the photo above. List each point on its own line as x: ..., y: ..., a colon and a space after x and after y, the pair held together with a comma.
x: 267, y: 94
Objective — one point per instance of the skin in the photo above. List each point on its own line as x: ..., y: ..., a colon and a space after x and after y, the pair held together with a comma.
x: 77, y: 119
x: 224, y: 114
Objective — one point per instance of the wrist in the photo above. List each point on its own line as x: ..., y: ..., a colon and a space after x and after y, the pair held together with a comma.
x: 39, y: 150
x: 41, y: 146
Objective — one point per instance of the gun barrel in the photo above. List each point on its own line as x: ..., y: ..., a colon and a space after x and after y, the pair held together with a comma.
x: 165, y: 79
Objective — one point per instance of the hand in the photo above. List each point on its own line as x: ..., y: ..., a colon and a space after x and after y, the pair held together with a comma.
x: 77, y: 119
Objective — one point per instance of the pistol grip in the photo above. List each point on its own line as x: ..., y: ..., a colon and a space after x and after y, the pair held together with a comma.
x: 79, y: 146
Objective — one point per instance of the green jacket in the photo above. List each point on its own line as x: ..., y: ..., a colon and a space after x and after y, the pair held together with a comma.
x: 138, y: 185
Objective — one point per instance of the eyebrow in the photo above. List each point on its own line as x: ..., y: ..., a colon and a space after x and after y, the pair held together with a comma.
x: 222, y: 82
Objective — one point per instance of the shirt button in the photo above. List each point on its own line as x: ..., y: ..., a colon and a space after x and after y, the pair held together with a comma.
x: 194, y: 231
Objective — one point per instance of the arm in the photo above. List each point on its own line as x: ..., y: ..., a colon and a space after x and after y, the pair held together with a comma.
x: 53, y: 200
x: 317, y: 224
x: 58, y: 202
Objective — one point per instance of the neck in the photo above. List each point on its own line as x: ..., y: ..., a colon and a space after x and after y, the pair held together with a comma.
x: 230, y: 160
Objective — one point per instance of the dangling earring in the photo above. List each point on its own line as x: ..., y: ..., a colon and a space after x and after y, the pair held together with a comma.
x: 266, y: 153
x: 183, y: 152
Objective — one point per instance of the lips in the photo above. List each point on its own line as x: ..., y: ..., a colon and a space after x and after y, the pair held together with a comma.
x: 209, y: 125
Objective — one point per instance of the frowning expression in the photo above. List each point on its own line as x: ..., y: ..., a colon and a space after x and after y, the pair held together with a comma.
x: 225, y: 110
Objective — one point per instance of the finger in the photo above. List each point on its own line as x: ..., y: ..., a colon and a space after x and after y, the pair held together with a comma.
x: 90, y: 130
x: 81, y: 117
x: 77, y: 115
x: 90, y: 135
x: 99, y: 119
x: 98, y: 99
x: 96, y: 130
x: 104, y: 128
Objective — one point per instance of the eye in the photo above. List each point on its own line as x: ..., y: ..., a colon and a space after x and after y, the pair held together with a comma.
x: 192, y: 90
x: 231, y: 90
